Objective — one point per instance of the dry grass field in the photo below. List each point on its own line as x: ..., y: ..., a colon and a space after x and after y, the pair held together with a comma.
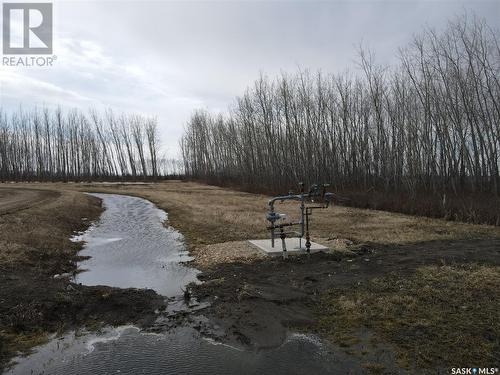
x: 208, y: 215
x: 425, y: 287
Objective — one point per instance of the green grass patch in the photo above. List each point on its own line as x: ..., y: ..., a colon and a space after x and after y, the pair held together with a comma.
x: 437, y: 317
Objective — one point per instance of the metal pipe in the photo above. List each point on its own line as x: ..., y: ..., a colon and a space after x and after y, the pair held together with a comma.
x: 282, y: 198
x: 308, y: 242
x: 272, y: 218
x: 283, y: 243
x: 305, y: 211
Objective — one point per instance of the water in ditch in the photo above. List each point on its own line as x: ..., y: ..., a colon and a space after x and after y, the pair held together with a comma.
x: 130, y: 247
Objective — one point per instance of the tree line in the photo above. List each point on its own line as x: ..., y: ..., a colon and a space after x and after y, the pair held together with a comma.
x: 429, y: 124
x: 46, y: 145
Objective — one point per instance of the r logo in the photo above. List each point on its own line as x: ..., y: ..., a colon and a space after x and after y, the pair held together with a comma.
x: 27, y: 28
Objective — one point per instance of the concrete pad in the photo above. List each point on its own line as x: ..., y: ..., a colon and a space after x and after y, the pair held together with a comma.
x: 292, y: 246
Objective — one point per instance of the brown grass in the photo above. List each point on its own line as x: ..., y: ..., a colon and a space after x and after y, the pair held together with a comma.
x: 208, y: 215
x: 31, y: 237
x: 227, y: 252
x: 428, y: 317
x: 16, y: 199
x: 35, y: 245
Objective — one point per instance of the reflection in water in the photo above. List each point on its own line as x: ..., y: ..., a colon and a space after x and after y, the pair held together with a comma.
x: 180, y: 351
x: 130, y: 248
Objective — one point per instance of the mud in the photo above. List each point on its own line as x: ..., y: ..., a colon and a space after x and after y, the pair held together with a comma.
x: 257, y: 303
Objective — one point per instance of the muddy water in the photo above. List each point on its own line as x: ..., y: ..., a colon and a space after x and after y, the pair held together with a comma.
x: 130, y: 247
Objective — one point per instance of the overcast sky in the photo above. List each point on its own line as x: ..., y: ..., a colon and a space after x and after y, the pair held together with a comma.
x: 168, y: 58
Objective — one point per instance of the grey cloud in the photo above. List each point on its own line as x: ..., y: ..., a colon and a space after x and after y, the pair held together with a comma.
x: 166, y: 58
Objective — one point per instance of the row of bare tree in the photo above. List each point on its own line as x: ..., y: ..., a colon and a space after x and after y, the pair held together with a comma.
x: 52, y: 145
x: 429, y: 124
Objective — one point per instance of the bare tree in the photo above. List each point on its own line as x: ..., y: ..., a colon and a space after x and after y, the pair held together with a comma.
x: 428, y: 126
x: 50, y: 145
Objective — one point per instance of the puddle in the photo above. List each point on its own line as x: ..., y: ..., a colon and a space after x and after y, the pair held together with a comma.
x: 181, y: 351
x: 130, y: 248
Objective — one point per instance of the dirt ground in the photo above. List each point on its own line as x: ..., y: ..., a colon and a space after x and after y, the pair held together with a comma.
x: 255, y: 300
x: 256, y: 303
x: 12, y: 200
